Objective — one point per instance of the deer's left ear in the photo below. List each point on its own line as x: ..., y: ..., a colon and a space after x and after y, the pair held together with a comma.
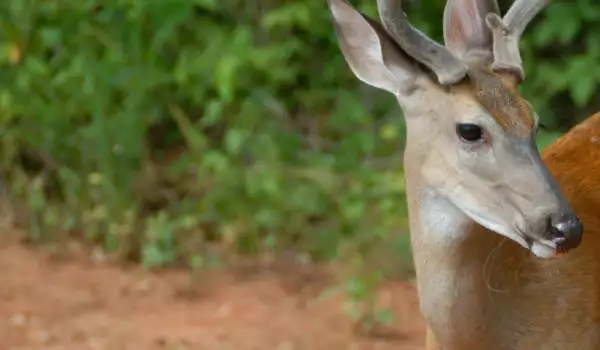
x: 466, y: 34
x: 370, y: 51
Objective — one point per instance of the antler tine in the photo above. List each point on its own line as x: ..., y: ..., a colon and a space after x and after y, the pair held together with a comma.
x: 507, y: 35
x: 449, y: 69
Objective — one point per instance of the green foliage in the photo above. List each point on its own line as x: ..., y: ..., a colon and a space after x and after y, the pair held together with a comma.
x: 164, y: 129
x: 560, y: 50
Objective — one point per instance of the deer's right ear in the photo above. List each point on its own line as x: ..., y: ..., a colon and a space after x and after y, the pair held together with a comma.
x: 369, y: 50
x: 466, y: 33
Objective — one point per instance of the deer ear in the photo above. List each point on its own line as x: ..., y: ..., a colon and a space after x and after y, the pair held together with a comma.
x: 370, y: 52
x: 466, y: 34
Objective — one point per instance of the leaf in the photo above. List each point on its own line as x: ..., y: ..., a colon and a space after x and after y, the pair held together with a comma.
x: 570, y: 28
x: 353, y: 210
x: 215, y: 161
x: 234, y: 140
x: 213, y: 112
x: 51, y: 36
x: 152, y: 256
x: 288, y: 15
x: 225, y: 76
x: 582, y: 88
x: 389, y: 131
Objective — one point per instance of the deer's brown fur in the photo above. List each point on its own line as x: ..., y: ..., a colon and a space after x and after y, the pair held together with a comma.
x: 498, y: 95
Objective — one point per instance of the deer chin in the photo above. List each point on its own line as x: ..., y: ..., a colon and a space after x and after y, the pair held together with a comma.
x: 543, y: 249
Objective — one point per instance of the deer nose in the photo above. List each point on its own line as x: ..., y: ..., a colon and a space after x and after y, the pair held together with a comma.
x: 566, y: 231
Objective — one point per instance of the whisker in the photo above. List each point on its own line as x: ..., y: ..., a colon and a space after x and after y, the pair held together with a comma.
x: 487, y: 276
x: 529, y: 242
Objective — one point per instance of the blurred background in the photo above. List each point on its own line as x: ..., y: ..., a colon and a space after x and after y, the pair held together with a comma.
x: 201, y: 134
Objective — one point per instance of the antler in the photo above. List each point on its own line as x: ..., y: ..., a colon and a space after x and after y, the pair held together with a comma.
x: 507, y: 33
x: 449, y: 69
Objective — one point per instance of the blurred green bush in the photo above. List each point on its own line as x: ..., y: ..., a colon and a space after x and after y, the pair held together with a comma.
x: 143, y: 123
x: 165, y: 129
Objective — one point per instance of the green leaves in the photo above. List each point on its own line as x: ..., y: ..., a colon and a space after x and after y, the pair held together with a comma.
x: 583, y: 88
x: 560, y: 50
x: 289, y: 15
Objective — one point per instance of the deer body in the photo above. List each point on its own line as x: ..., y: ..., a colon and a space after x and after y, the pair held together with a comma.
x: 488, y: 214
x: 482, y: 291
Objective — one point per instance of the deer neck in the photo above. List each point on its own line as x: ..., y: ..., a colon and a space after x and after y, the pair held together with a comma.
x: 450, y: 275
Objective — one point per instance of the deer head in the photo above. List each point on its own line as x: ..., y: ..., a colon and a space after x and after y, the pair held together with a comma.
x: 471, y: 136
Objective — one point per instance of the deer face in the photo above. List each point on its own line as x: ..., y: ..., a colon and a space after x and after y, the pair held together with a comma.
x: 462, y: 107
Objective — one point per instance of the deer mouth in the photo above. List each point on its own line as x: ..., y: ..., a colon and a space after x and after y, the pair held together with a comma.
x: 540, y: 247
x: 544, y: 249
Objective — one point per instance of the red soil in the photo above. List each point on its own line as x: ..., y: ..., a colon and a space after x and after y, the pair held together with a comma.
x: 80, y: 303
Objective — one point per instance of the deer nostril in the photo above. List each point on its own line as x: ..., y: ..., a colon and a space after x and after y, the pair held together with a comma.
x: 565, y: 231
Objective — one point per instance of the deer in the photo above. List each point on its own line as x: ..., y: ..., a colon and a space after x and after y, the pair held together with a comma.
x: 497, y: 227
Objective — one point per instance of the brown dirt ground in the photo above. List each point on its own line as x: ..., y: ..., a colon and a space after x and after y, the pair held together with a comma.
x: 78, y: 303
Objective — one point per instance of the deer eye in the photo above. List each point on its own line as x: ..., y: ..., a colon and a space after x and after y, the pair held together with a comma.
x: 469, y: 132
